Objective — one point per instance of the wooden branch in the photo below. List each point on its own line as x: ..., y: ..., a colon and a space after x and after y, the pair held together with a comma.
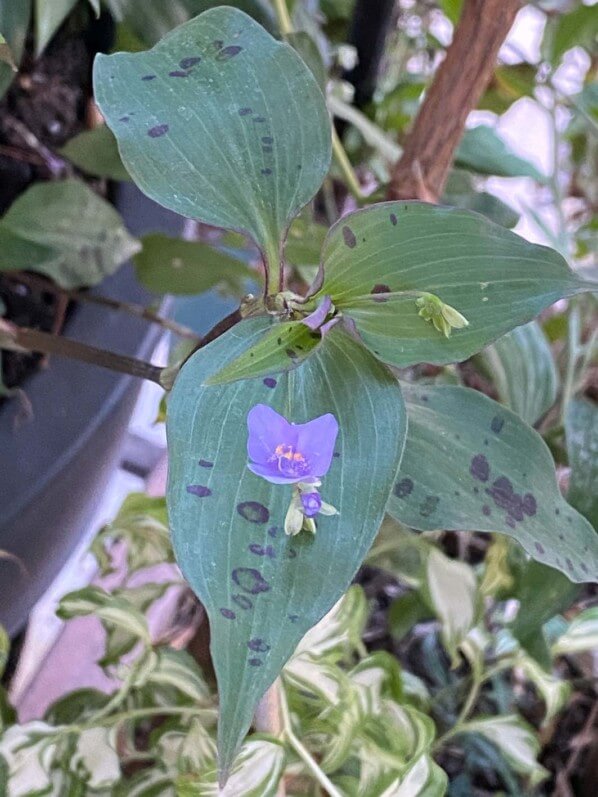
x: 455, y: 91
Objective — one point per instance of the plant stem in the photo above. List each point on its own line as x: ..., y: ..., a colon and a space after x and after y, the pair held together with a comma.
x: 33, y: 340
x: 268, y: 719
x: 40, y: 283
x: 345, y: 166
x: 302, y: 751
x: 284, y: 19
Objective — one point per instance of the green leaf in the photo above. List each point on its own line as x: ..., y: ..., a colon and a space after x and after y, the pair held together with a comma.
x: 6, y: 56
x: 576, y: 29
x: 258, y: 585
x: 424, y: 779
x: 524, y: 372
x: 471, y: 464
x: 468, y: 262
x: 4, y: 649
x: 142, y: 524
x: 65, y: 231
x: 96, y: 152
x: 509, y: 83
x: 28, y: 751
x: 95, y: 758
x: 49, y: 16
x: 461, y: 192
x: 554, y: 691
x: 111, y: 609
x: 581, y: 425
x: 14, y: 24
x: 239, y: 139
x: 452, y: 8
x: 281, y: 348
x: 516, y: 741
x: 581, y: 635
x: 405, y: 612
x: 451, y: 587
x: 176, y: 669
x: 256, y: 773
x: 171, y: 265
x: 119, y: 640
x: 482, y: 150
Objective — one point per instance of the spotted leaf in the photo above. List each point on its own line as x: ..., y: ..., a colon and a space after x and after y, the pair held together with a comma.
x: 220, y: 122
x: 263, y: 590
x: 471, y: 464
x: 374, y: 261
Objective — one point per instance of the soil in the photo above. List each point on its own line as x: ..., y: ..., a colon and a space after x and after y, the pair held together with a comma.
x: 45, y: 106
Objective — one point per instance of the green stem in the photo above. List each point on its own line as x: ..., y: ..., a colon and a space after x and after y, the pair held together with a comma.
x: 139, y: 713
x: 346, y: 168
x: 302, y: 751
x: 284, y: 19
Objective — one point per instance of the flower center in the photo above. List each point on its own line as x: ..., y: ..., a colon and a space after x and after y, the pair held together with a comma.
x: 290, y: 462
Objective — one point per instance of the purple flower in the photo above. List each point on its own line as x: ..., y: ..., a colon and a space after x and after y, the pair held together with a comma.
x: 312, y: 503
x: 288, y: 453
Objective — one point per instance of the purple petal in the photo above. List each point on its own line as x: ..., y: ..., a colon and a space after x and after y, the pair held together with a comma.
x: 272, y: 474
x: 317, y: 318
x: 312, y: 503
x: 315, y: 440
x: 267, y: 430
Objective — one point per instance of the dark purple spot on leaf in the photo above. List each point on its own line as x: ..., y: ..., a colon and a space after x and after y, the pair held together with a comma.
x: 476, y: 490
x: 124, y: 118
x: 148, y: 77
x: 259, y: 119
x: 529, y: 505
x: 497, y: 424
x: 273, y: 531
x: 336, y: 454
x: 584, y: 567
x: 258, y: 645
x: 393, y: 219
x: 228, y: 613
x: 205, y: 463
x: 429, y: 505
x: 291, y: 354
x: 293, y: 617
x: 217, y: 44
x: 403, y: 488
x: 486, y: 441
x: 486, y: 510
x: 157, y: 131
x: 291, y: 553
x: 266, y: 171
x: 539, y: 548
x: 228, y: 52
x: 245, y: 111
x: 262, y: 550
x: 267, y: 140
x: 378, y: 289
x: 479, y: 468
x: 178, y: 73
x: 270, y: 381
x: 253, y: 511
x: 199, y: 490
x: 569, y: 564
x: 187, y: 63
x: 510, y: 521
x: 250, y: 580
x: 255, y: 662
x: 267, y: 150
x: 349, y: 237
x: 242, y: 601
x: 424, y: 397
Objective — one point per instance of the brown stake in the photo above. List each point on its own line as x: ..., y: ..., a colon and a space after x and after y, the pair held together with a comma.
x: 455, y: 91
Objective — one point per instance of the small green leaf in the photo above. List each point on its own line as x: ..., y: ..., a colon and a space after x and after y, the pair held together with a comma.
x: 95, y: 758
x: 554, y: 691
x: 581, y: 425
x: 171, y: 265
x: 452, y: 8
x: 405, y: 612
x: 579, y: 28
x: 261, y: 589
x: 65, y: 231
x: 460, y: 191
x: 28, y: 751
x: 176, y: 669
x: 376, y: 260
x: 49, y: 16
x: 581, y: 635
x: 524, y: 372
x: 482, y: 150
x: 14, y: 24
x: 509, y: 83
x: 119, y: 640
x: 516, y: 740
x: 424, y: 779
x: 221, y: 123
x: 96, y: 152
x: 6, y: 56
x: 4, y: 649
x: 470, y: 463
x: 282, y: 348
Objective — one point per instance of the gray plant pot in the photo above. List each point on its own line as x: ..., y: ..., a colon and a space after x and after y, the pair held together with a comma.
x: 55, y: 467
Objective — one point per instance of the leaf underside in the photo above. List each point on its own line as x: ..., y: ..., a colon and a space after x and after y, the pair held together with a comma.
x: 471, y: 464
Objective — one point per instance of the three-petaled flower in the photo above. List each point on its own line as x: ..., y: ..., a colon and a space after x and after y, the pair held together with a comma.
x: 287, y: 453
